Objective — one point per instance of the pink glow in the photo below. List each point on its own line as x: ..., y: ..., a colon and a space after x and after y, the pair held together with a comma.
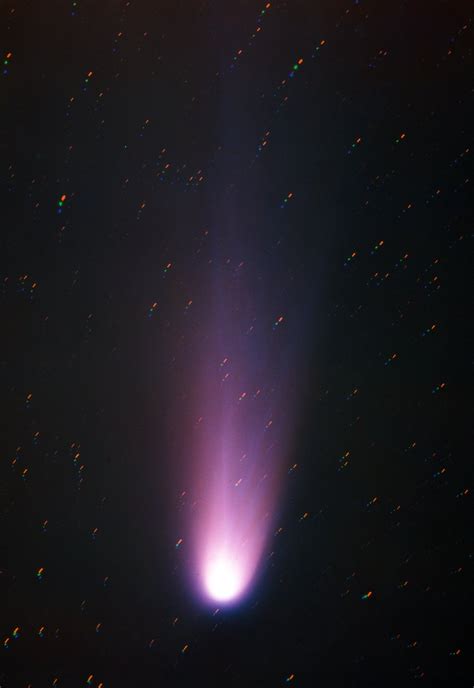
x: 238, y: 387
x: 231, y: 537
x: 238, y: 478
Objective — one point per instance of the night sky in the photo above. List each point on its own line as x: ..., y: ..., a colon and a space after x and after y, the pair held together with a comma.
x: 289, y: 180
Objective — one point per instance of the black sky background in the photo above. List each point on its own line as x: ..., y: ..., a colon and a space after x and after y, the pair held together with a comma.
x: 104, y: 375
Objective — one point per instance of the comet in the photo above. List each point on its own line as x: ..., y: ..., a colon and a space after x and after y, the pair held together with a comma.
x: 239, y: 448
x: 231, y: 537
x: 238, y: 378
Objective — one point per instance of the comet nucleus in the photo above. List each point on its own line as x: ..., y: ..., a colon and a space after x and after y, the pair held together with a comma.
x: 224, y: 578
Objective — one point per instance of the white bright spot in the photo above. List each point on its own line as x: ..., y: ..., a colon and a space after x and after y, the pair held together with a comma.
x: 223, y: 579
